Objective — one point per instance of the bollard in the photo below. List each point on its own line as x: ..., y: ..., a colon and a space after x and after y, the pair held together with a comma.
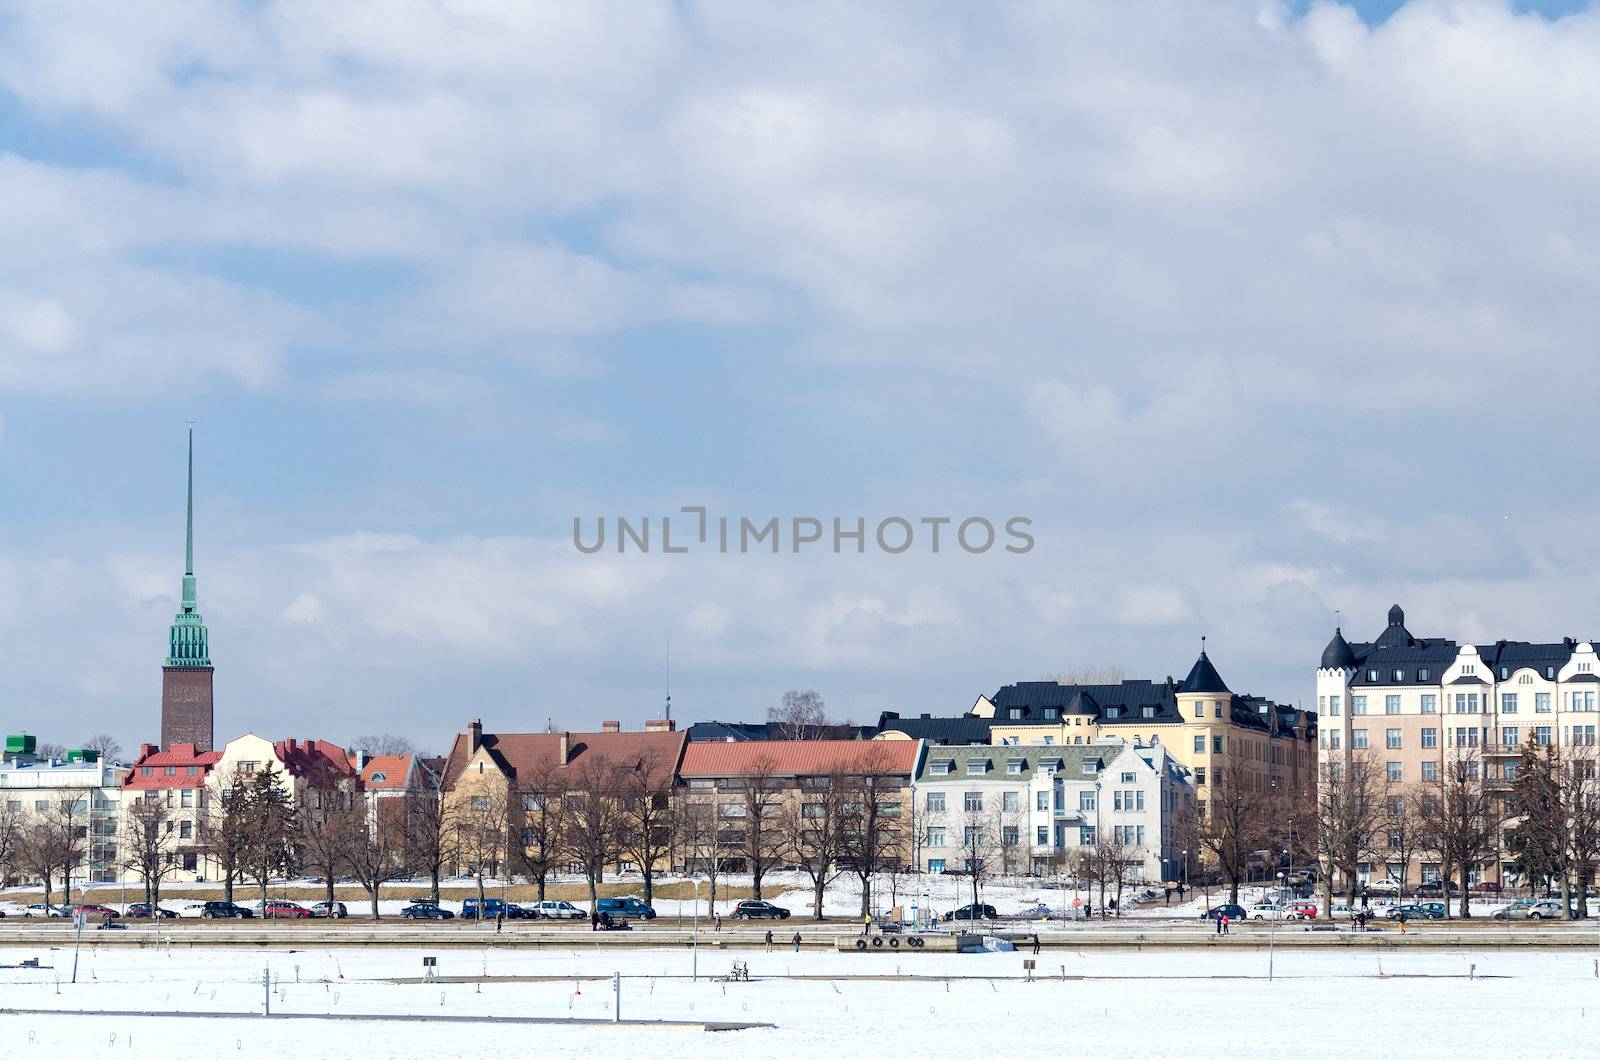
x: 616, y: 986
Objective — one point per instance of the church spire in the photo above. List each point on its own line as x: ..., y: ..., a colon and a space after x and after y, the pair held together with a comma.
x: 188, y: 643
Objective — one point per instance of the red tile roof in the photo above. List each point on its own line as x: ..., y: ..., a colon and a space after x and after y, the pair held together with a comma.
x: 180, y: 757
x: 799, y: 757
x: 525, y: 751
x: 394, y: 769
x: 317, y: 759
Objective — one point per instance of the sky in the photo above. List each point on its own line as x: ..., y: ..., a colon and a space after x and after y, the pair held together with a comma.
x: 1266, y: 315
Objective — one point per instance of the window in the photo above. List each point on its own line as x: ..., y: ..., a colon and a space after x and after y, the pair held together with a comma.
x: 1016, y: 766
x: 1333, y: 739
x: 1391, y: 704
x: 146, y: 771
x: 1358, y: 739
x: 1372, y: 677
x: 1086, y: 835
x: 1466, y: 737
x: 813, y: 810
x: 1505, y: 672
x: 935, y: 802
x: 1216, y: 745
x: 193, y: 771
x: 1583, y: 736
x: 1508, y: 702
x: 185, y: 829
x: 977, y: 767
x: 186, y: 797
x: 1147, y: 712
x: 1113, y: 713
x: 1130, y: 778
x: 1469, y: 669
x: 1333, y: 706
x: 1541, y: 735
x: 1199, y: 745
x: 1085, y: 800
x: 1014, y: 713
x: 1041, y: 836
x: 1541, y: 702
x: 1010, y: 801
x: 1397, y: 806
x: 190, y: 861
x: 1584, y: 667
x: 480, y: 804
x: 1358, y: 704
x: 1508, y: 736
x: 1391, y: 739
x: 1041, y: 800
x: 1009, y: 835
x: 1430, y: 737
x: 1397, y: 772
x: 972, y: 801
x: 935, y: 837
x: 1430, y: 771
x: 1052, y: 713
x: 1430, y: 704
x: 1466, y: 702
x: 1582, y: 700
x: 1549, y: 673
x: 1399, y: 675
x: 1422, y: 673
x: 1200, y: 777
x: 170, y: 771
x: 971, y: 834
x: 936, y: 865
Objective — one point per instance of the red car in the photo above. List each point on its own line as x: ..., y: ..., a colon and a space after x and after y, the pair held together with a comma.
x: 282, y: 909
x: 1486, y: 887
x: 91, y: 909
x: 1304, y: 910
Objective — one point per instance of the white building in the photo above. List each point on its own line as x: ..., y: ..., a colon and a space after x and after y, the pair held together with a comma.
x: 1027, y: 809
x: 41, y: 788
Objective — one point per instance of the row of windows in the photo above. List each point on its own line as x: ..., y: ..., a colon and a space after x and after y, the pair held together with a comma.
x: 1466, y: 703
x: 1398, y: 674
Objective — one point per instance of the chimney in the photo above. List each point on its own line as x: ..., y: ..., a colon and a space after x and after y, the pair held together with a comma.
x: 146, y: 750
x: 564, y: 749
x: 474, y: 736
x: 660, y: 725
x: 362, y: 758
x: 611, y: 726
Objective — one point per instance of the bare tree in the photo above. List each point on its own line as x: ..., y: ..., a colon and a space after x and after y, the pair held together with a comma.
x: 1234, y: 825
x: 325, y: 838
x: 1008, y: 835
x: 38, y: 853
x: 813, y: 832
x: 376, y: 848
x: 700, y: 838
x: 592, y: 821
x: 481, y: 839
x: 1092, y: 674
x: 386, y: 743
x: 1459, y: 816
x: 1402, y: 831
x: 11, y: 828
x: 871, y: 821
x: 105, y: 745
x: 979, y: 844
x: 541, y: 794
x: 431, y: 833
x: 53, y: 751
x: 800, y: 715
x: 146, y: 847
x: 1352, y: 800
x: 646, y: 820
x: 758, y: 814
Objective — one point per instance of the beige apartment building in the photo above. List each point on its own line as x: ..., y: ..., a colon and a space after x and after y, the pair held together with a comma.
x: 1413, y: 702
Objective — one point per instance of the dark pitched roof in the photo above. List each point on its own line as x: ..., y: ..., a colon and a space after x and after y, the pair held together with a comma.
x: 739, y: 731
x: 1203, y: 677
x: 943, y: 731
x: 1033, y: 697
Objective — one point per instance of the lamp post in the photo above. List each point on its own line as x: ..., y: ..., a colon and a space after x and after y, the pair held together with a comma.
x: 1186, y: 871
x: 694, y: 946
x: 1272, y: 935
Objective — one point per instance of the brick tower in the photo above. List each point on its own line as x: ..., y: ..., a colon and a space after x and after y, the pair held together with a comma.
x: 186, y: 709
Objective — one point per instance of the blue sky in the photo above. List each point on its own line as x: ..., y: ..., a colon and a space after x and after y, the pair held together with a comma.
x: 1260, y: 311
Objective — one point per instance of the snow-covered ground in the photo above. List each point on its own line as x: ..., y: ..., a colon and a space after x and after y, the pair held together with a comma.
x: 1147, y: 1004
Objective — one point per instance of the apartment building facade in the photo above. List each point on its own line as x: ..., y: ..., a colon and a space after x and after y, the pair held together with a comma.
x: 78, y: 791
x: 1412, y: 704
x: 1029, y: 808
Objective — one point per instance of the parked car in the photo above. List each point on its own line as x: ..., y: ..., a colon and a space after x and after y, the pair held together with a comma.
x: 1229, y: 910
x: 426, y: 911
x: 1383, y: 887
x: 141, y: 911
x: 47, y: 911
x: 1531, y: 909
x: 759, y: 910
x: 282, y: 909
x: 553, y: 910
x: 625, y: 908
x: 330, y: 910
x: 1413, y: 911
x: 93, y: 909
x: 1304, y: 910
x: 979, y: 911
x: 224, y: 911
x: 1341, y: 909
x: 1270, y: 911
x: 493, y: 909
x: 1486, y: 887
x: 1437, y: 888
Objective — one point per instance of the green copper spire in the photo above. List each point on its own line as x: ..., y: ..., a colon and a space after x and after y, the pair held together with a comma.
x: 188, y: 642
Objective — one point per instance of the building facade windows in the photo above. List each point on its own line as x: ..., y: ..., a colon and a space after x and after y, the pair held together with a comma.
x: 1430, y: 704
x: 1508, y: 702
x: 1391, y: 704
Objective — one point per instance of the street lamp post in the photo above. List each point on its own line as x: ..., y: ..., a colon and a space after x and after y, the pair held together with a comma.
x: 694, y: 946
x: 1272, y: 934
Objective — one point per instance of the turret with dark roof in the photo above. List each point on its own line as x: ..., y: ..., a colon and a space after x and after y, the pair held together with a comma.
x: 1338, y: 655
x: 1203, y: 677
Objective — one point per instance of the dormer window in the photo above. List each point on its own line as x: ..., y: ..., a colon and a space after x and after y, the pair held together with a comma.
x: 1422, y: 673
x: 1469, y: 668
x: 1014, y: 713
x: 1399, y: 675
x: 379, y: 778
x: 977, y: 767
x: 1016, y: 766
x: 1583, y: 667
x: 1549, y: 673
x: 1505, y: 672
x: 1372, y: 676
x: 1091, y: 766
x: 1113, y: 712
x: 943, y: 769
x: 1052, y: 713
x: 1148, y: 712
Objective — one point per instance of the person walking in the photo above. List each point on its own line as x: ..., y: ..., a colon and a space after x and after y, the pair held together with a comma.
x: 866, y: 925
x: 769, y: 940
x: 594, y: 920
x: 1035, y: 942
x: 717, y: 919
x: 1219, y: 918
x: 797, y: 942
x: 1225, y: 923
